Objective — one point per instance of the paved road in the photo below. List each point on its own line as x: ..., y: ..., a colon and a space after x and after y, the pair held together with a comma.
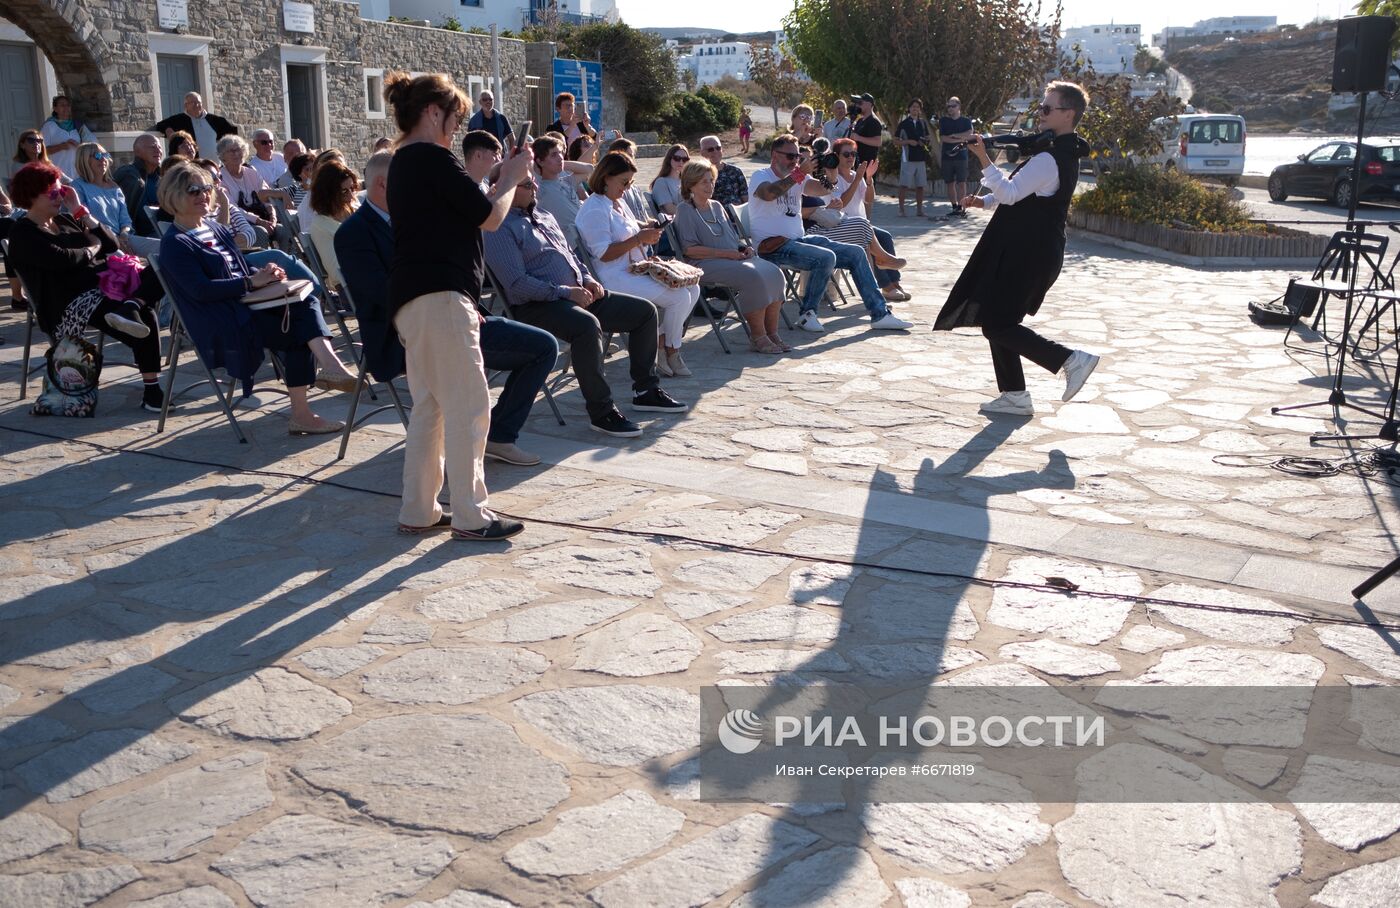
x: 1325, y: 217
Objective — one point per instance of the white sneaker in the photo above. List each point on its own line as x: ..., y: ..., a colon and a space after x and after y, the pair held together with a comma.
x: 127, y: 326
x: 810, y: 322
x: 1012, y: 403
x: 890, y: 322
x: 1077, y: 370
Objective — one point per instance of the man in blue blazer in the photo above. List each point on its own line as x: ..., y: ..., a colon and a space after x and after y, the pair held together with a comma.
x: 364, y: 244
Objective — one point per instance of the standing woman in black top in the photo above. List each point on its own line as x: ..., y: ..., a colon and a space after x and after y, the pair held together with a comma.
x: 437, y: 212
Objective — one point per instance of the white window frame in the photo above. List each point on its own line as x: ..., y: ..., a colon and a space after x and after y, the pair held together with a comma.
x: 160, y: 44
x: 382, y: 112
x: 313, y: 56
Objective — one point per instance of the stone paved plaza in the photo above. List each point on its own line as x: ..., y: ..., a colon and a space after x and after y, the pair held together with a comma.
x: 221, y: 685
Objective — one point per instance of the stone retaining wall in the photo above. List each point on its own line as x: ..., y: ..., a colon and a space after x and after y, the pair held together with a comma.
x: 1288, y: 244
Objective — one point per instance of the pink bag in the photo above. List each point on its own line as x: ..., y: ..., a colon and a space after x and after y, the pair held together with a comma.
x: 122, y: 276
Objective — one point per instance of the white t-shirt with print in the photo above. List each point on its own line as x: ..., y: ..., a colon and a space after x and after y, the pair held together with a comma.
x: 780, y: 217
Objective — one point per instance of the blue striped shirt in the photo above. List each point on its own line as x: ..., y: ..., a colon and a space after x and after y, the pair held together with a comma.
x: 530, y: 257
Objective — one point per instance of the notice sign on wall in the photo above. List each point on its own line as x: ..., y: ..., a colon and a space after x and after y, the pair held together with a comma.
x: 172, y: 13
x: 299, y: 17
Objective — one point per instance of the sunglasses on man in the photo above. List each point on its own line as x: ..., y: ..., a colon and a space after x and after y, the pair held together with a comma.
x: 1046, y: 108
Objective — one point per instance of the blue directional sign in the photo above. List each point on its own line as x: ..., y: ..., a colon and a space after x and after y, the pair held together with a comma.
x: 584, y: 80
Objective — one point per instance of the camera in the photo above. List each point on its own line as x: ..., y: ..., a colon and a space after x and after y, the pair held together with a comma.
x: 829, y: 160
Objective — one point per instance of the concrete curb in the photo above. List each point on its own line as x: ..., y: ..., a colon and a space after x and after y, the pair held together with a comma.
x: 1193, y: 260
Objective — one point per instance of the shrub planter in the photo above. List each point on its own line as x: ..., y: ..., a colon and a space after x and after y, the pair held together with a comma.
x: 1285, y: 244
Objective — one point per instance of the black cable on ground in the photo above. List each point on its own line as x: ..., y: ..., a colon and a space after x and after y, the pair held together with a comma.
x: 1378, y: 463
x: 1062, y: 587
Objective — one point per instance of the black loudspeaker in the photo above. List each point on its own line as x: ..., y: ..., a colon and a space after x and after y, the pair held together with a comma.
x: 1362, y: 55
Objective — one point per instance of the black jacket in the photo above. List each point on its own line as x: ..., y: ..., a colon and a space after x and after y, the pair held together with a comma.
x: 364, y: 245
x: 58, y: 267
x: 182, y: 122
x: 1020, y: 254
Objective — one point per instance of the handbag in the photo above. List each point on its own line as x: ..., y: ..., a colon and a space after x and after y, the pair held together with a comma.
x: 72, y: 366
x: 825, y: 217
x: 121, y: 277
x: 668, y: 272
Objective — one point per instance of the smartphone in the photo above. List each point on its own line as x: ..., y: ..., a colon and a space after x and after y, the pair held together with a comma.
x: 522, y: 132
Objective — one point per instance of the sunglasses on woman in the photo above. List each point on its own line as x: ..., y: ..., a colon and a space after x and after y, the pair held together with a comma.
x: 679, y: 159
x: 199, y: 189
x: 34, y: 140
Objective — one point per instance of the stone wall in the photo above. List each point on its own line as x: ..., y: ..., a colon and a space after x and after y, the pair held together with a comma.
x: 101, y: 54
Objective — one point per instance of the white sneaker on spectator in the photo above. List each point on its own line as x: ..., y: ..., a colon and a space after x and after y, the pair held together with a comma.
x: 1012, y: 403
x: 127, y: 326
x: 1077, y: 370
x: 810, y: 322
x: 890, y: 322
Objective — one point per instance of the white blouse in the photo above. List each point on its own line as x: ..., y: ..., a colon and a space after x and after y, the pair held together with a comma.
x: 600, y: 224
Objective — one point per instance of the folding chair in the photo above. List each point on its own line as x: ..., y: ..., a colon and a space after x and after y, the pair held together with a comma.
x: 709, y: 291
x: 25, y: 370
x: 313, y: 261
x: 152, y: 212
x: 365, y: 382
x: 177, y: 341
x: 739, y: 220
x: 564, y: 362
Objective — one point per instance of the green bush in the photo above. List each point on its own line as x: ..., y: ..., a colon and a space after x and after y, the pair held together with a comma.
x: 1169, y: 198
x: 725, y: 107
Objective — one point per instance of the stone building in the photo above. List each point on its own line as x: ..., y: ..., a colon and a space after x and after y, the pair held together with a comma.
x: 311, y: 69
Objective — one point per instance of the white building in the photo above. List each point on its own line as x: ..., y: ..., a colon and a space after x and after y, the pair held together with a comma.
x: 711, y: 62
x: 506, y: 15
x: 1109, y: 48
x: 1220, y: 25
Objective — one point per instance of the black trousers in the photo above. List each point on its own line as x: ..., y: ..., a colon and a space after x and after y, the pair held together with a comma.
x: 145, y: 350
x: 1011, y: 342
x: 583, y: 330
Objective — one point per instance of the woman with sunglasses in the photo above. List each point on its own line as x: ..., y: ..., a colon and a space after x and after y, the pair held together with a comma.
x: 666, y: 188
x: 1020, y: 255
x: 848, y: 184
x: 29, y: 149
x: 105, y: 199
x: 60, y: 255
x: 208, y: 277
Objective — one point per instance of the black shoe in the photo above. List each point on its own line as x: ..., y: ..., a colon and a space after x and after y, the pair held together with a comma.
x: 616, y: 424
x: 500, y: 528
x: 658, y: 401
x: 152, y: 398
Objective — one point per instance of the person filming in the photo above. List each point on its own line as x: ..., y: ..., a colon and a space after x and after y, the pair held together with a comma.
x: 1020, y: 254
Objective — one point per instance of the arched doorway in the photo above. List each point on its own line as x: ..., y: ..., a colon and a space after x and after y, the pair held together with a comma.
x: 78, y: 61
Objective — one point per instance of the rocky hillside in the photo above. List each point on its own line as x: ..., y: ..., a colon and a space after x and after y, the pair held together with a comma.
x: 1278, y: 81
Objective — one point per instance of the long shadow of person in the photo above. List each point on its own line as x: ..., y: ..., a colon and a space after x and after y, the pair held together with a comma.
x: 240, y: 594
x: 897, y: 632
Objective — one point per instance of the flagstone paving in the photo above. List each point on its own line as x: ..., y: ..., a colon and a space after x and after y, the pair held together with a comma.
x: 221, y: 686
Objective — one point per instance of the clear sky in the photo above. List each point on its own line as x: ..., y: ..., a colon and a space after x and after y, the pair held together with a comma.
x: 763, y: 15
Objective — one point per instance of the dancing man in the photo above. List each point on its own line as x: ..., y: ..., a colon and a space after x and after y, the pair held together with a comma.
x: 1020, y: 255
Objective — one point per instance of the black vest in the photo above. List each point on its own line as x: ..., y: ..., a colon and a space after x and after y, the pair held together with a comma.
x: 1020, y: 253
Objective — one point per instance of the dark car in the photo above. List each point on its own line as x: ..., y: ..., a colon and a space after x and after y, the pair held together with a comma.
x: 1326, y: 173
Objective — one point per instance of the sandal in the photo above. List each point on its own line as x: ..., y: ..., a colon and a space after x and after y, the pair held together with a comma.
x: 764, y: 344
x: 787, y: 348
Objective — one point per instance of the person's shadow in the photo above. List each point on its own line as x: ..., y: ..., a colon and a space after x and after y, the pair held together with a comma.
x: 895, y: 633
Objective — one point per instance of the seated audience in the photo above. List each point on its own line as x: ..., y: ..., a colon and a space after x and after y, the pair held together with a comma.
x: 584, y: 150
x: 549, y: 287
x: 269, y: 166
x: 60, y: 255
x: 298, y: 180
x: 731, y: 186
x: 775, y: 210
x: 332, y: 200
x: 848, y: 184
x: 708, y: 241
x: 304, y: 212
x: 209, y: 276
x: 365, y: 243
x: 101, y: 195
x: 614, y: 239
x: 133, y: 177
x: 666, y: 188
x: 247, y: 189
x: 557, y: 194
x: 28, y: 149
x: 291, y: 150
x: 182, y: 144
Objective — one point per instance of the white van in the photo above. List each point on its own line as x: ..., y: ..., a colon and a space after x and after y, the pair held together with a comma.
x: 1202, y: 144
